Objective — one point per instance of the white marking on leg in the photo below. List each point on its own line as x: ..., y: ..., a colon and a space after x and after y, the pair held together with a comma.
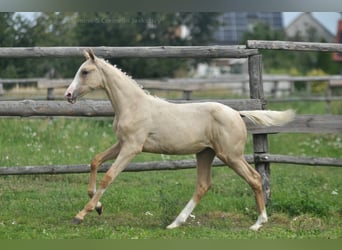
x: 99, y: 204
x: 262, y: 218
x: 181, y: 218
x: 94, y: 192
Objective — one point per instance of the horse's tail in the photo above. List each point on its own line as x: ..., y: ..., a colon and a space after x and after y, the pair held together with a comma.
x: 268, y: 117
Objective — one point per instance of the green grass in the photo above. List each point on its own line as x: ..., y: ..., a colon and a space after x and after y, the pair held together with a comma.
x: 140, y: 205
x: 306, y: 201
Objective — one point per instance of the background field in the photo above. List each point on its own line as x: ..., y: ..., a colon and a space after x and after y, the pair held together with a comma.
x: 306, y: 201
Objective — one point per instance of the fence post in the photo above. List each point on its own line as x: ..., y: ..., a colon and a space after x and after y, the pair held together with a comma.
x: 50, y: 91
x: 275, y: 89
x: 1, y: 88
x: 187, y: 94
x: 260, y: 141
x: 328, y: 95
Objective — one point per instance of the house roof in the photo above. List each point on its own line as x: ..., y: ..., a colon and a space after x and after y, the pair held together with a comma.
x: 303, y: 23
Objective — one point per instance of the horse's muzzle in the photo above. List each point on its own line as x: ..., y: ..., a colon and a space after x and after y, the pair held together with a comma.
x: 70, y: 97
x: 71, y: 94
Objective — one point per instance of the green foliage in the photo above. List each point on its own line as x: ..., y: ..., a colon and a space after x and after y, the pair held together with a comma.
x: 102, y: 29
x: 6, y: 29
x: 48, y: 29
x: 145, y: 29
x: 138, y: 29
x: 272, y: 59
x: 7, y: 40
x: 282, y: 61
x: 318, y: 87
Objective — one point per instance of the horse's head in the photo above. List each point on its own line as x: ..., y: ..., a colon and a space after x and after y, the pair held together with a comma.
x: 87, y: 78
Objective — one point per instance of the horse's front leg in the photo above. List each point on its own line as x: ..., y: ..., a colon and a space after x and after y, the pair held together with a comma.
x: 96, y: 162
x: 125, y: 156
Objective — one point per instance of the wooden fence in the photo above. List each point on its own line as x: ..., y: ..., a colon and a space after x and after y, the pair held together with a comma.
x: 239, y: 51
x: 235, y: 83
x: 261, y: 157
x: 92, y: 108
x: 232, y: 82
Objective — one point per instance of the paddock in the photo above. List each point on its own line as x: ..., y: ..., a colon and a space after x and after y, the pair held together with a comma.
x: 261, y: 157
x: 145, y: 223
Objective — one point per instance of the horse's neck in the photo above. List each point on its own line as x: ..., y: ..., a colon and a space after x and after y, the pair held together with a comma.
x: 122, y: 91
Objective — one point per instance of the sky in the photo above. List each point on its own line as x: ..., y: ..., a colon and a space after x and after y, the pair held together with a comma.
x: 328, y: 19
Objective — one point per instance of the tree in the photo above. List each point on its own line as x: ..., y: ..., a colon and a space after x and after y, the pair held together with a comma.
x: 287, y: 61
x: 7, y: 38
x: 6, y: 29
x: 274, y: 61
x: 145, y: 29
x: 54, y: 29
x: 16, y: 31
x: 47, y: 29
x: 102, y: 29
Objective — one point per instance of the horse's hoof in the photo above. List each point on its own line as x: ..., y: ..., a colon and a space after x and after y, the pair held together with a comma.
x: 76, y: 221
x: 99, y: 209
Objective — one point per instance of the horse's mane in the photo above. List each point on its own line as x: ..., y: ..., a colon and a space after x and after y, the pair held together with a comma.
x: 129, y: 77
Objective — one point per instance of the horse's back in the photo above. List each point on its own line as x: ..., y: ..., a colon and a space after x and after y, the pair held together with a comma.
x: 189, y: 128
x: 194, y: 114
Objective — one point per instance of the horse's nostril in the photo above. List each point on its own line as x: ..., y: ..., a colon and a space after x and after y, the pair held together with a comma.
x: 68, y: 94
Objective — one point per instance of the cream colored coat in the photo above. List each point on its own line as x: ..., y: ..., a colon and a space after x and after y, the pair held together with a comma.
x: 144, y: 123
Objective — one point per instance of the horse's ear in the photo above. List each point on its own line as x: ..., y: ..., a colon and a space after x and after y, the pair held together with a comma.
x: 86, y: 54
x: 89, y: 54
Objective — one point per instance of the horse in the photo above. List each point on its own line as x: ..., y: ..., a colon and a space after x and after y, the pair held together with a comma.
x: 145, y: 123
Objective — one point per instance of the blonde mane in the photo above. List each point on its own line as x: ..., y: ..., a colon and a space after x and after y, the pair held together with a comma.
x: 124, y: 74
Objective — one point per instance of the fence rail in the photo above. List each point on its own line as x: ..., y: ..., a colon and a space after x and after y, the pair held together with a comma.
x: 237, y: 83
x: 182, y: 82
x: 239, y: 51
x: 90, y: 108
x: 298, y: 46
x: 255, y: 79
x: 165, y: 165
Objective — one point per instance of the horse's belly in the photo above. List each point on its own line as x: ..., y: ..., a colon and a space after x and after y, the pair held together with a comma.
x: 180, y: 129
x: 175, y: 144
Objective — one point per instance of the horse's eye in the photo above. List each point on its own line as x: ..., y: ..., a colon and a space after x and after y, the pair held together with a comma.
x: 84, y: 72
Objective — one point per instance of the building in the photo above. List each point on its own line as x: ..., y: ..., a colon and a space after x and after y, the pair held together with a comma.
x: 337, y: 56
x: 234, y: 24
x: 307, y: 28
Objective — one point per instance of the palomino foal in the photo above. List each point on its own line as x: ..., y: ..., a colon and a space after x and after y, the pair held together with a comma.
x: 144, y: 123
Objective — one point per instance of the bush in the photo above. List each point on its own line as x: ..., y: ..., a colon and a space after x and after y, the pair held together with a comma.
x: 318, y: 87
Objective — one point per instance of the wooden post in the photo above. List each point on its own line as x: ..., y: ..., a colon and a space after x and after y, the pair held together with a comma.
x: 244, y: 87
x: 187, y: 94
x: 274, y: 90
x: 50, y: 95
x: 50, y: 91
x: 260, y: 142
x: 328, y: 95
x: 292, y: 87
x: 1, y: 88
x: 308, y: 88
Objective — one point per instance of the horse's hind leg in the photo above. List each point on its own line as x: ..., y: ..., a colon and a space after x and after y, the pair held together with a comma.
x: 204, y: 161
x: 252, y: 177
x: 109, y: 154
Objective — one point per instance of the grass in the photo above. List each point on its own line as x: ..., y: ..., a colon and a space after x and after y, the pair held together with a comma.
x: 140, y: 205
x: 306, y: 201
